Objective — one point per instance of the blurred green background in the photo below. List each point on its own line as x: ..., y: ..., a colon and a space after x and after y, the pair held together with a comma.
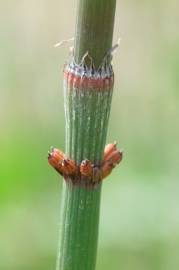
x: 139, y: 225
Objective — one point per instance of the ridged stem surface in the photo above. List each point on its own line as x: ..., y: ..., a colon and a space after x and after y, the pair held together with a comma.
x: 94, y: 31
x: 86, y: 113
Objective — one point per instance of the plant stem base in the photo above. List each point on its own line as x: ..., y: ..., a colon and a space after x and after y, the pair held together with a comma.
x: 79, y: 227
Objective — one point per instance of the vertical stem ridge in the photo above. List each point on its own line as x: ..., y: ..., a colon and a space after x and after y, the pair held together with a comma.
x: 87, y: 108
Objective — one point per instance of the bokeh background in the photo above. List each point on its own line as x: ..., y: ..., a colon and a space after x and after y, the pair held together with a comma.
x: 139, y: 225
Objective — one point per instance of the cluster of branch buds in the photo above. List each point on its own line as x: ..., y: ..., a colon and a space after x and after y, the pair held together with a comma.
x: 87, y: 172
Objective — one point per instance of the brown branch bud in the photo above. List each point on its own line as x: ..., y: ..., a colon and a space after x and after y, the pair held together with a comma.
x: 87, y: 171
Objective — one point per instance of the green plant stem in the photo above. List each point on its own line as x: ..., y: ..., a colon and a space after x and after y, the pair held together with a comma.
x: 87, y: 113
x: 79, y: 228
x: 94, y: 29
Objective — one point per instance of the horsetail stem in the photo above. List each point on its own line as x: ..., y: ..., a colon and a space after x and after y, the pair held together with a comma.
x: 88, y: 87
